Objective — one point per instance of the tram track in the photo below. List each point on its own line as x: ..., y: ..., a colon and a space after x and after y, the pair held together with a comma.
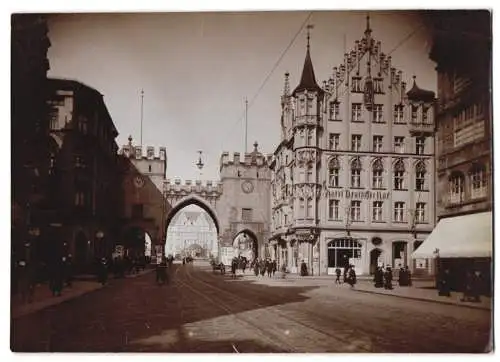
x: 342, y: 342
x: 269, y: 335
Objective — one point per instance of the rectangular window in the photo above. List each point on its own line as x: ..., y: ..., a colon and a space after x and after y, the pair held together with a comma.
x: 333, y: 209
x: 398, y: 180
x: 399, y: 144
x: 414, y: 113
x: 399, y: 114
x: 377, y: 179
x: 478, y: 184
x: 302, y: 207
x: 309, y: 175
x: 286, y: 219
x: 79, y: 198
x: 378, y: 116
x: 420, y: 214
x: 457, y: 189
x: 333, y: 141
x: 310, y: 138
x: 377, y: 211
x: 378, y: 85
x: 137, y: 211
x: 309, y: 106
x: 54, y: 119
x: 377, y: 143
x: 356, y: 210
x: 334, y: 111
x: 309, y: 208
x: 420, y: 145
x: 356, y: 85
x: 246, y: 214
x: 356, y: 142
x: 420, y: 181
x: 333, y: 177
x: 399, y: 211
x: 356, y: 112
x: 356, y: 178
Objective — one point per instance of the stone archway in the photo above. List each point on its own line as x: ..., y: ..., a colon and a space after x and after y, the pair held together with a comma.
x: 210, y: 241
x: 247, y: 244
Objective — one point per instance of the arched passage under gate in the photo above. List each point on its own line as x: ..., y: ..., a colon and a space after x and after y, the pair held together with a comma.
x: 245, y: 244
x: 192, y: 221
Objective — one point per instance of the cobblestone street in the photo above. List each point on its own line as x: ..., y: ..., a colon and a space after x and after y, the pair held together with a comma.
x: 204, y: 312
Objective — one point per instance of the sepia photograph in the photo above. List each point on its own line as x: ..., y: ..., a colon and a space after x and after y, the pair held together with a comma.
x: 300, y: 181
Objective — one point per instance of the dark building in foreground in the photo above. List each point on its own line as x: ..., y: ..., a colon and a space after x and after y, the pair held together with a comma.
x: 462, y: 50
x: 29, y: 132
x: 84, y: 221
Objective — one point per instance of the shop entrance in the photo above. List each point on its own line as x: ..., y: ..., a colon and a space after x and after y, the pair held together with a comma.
x: 342, y: 253
x: 374, y: 260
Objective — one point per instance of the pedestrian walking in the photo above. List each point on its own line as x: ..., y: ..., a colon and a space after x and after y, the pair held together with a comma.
x: 56, y: 276
x: 68, y: 271
x: 338, y: 272
x: 274, y: 267
x: 379, y: 277
x: 262, y: 268
x: 256, y: 267
x: 102, y: 273
x: 388, y: 278
x: 269, y: 268
x: 162, y: 272
x: 303, y: 269
x: 444, y: 283
x: 352, y: 276
x: 26, y: 285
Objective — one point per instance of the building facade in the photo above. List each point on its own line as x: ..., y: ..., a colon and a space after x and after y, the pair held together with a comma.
x: 83, y: 213
x: 192, y: 227
x: 462, y: 49
x: 143, y: 207
x: 30, y: 140
x: 353, y: 175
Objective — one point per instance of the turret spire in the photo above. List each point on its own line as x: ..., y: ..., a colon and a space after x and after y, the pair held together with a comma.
x: 308, y: 79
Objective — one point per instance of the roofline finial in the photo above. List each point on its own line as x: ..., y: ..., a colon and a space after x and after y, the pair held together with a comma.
x: 368, y: 29
x: 309, y: 27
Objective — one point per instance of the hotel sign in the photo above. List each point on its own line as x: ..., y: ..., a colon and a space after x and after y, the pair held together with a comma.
x: 355, y: 194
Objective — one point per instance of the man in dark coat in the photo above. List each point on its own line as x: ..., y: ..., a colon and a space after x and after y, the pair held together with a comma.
x: 388, y: 278
x: 303, y: 269
x: 379, y: 278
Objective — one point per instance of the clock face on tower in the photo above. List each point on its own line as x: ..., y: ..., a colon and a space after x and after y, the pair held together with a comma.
x: 138, y: 181
x: 247, y: 187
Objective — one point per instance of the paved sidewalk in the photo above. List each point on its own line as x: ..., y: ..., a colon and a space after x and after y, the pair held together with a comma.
x: 425, y: 291
x: 43, y: 297
x: 422, y: 289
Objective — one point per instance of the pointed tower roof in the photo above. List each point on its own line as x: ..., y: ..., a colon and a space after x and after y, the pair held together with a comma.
x: 418, y: 94
x: 308, y: 79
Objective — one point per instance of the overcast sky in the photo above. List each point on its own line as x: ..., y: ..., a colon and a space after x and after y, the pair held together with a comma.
x: 197, y: 68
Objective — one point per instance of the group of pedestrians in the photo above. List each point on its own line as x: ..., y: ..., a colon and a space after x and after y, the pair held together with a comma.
x: 349, y: 275
x: 264, y: 266
x: 471, y: 285
x: 59, y: 272
x: 162, y: 269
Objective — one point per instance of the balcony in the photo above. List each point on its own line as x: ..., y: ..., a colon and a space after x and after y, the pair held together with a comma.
x: 420, y: 129
x: 307, y: 120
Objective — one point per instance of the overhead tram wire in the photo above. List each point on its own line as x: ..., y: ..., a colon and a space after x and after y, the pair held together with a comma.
x: 250, y: 103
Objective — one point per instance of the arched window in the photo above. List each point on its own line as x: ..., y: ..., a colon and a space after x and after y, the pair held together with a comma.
x: 333, y: 172
x: 420, y: 172
x: 456, y: 187
x: 377, y: 172
x: 399, y: 175
x: 478, y: 184
x: 356, y: 172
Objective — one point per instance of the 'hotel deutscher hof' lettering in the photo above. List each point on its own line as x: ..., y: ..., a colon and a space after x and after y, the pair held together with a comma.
x: 366, y: 195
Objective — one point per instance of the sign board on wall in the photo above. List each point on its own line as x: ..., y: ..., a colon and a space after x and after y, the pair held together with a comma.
x: 362, y: 195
